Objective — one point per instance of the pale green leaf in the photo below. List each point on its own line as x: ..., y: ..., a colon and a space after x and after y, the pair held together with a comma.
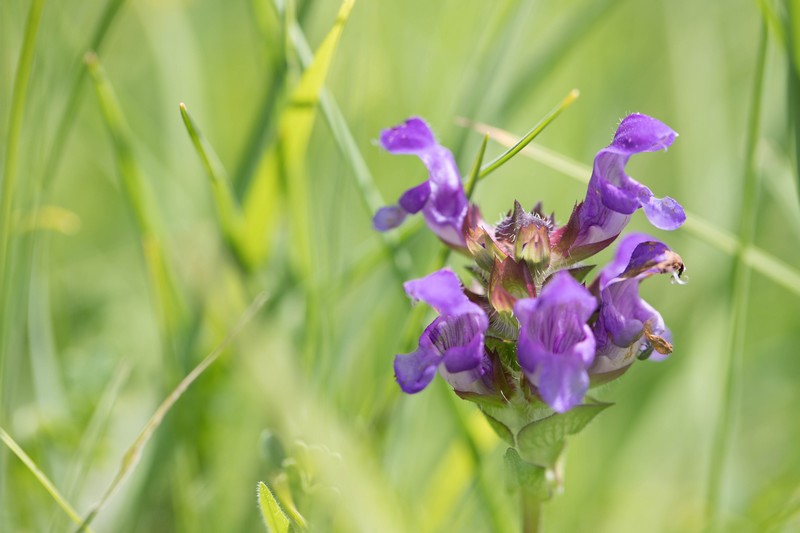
x: 529, y: 477
x: 271, y: 512
x: 542, y: 441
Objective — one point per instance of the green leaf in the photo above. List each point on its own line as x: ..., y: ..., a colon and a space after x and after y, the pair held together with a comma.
x: 502, y: 431
x: 271, y: 512
x: 525, y: 476
x: 542, y: 441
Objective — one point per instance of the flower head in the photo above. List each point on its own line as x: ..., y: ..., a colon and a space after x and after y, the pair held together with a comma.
x: 528, y: 327
x: 453, y: 342
x: 441, y: 197
x: 556, y: 346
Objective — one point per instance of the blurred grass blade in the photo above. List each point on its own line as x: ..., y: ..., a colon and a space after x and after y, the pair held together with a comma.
x: 400, y: 258
x: 73, y: 100
x: 734, y: 352
x: 768, y: 265
x: 18, y: 100
x: 528, y: 137
x: 171, y: 309
x: 9, y: 177
x: 286, y: 157
x: 271, y: 512
x: 131, y: 457
x: 39, y: 475
x: 793, y: 76
x: 230, y: 216
x: 566, y: 36
x: 474, y: 173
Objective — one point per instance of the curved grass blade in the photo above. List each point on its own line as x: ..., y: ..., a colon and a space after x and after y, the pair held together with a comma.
x: 40, y: 476
x: 528, y: 137
x: 766, y: 264
x: 131, y: 457
x: 230, y: 216
x: 271, y: 513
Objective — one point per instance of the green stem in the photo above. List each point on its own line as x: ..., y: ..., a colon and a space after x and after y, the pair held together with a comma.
x: 531, y: 508
x: 740, y: 289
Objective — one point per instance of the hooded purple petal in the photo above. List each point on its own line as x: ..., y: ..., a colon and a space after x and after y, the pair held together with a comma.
x: 453, y: 341
x: 556, y: 346
x: 628, y: 327
x: 441, y: 198
x: 613, y: 196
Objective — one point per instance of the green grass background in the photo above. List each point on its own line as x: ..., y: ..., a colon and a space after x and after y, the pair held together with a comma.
x: 88, y: 353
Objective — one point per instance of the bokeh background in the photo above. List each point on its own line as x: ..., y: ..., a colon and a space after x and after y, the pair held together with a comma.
x: 303, y: 397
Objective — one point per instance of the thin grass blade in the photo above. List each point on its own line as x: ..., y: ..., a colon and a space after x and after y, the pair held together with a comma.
x: 528, y: 137
x: 40, y: 476
x: 230, y: 216
x: 131, y: 457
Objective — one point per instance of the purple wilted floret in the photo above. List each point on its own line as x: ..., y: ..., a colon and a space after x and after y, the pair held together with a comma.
x: 627, y: 327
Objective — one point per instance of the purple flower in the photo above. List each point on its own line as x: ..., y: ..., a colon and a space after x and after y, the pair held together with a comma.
x: 453, y: 341
x: 556, y: 346
x: 628, y: 327
x: 613, y: 196
x: 441, y: 197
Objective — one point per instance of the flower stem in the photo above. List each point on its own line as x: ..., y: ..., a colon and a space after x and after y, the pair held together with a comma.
x: 531, y: 508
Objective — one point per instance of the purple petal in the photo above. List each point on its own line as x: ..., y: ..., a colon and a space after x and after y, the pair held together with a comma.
x: 640, y: 133
x: 415, y: 370
x: 664, y: 213
x: 466, y: 343
x: 556, y: 346
x: 442, y: 290
x: 414, y: 199
x: 613, y: 196
x: 627, y: 326
x: 388, y: 217
x: 562, y: 382
x: 411, y: 137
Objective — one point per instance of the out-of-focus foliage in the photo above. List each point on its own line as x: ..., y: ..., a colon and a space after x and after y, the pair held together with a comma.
x: 106, y: 307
